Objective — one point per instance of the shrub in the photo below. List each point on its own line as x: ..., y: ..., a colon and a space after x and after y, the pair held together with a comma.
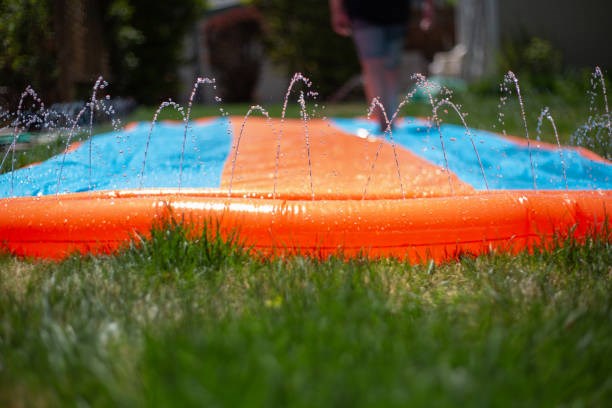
x: 234, y: 42
x: 299, y: 36
x: 534, y: 60
x: 146, y: 40
x: 28, y: 50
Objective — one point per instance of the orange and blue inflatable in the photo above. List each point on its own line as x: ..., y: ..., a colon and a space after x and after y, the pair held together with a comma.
x: 316, y: 188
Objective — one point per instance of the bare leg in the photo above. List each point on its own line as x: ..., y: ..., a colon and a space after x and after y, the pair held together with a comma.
x: 374, y: 81
x: 381, y: 82
x: 378, y: 48
x: 391, y: 95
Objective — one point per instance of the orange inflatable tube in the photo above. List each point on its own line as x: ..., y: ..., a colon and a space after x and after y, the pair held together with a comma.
x: 416, y: 229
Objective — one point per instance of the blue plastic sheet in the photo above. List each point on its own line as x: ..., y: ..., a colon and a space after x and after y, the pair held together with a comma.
x: 115, y: 161
x: 195, y: 157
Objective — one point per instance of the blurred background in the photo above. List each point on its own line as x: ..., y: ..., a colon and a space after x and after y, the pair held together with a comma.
x: 150, y: 51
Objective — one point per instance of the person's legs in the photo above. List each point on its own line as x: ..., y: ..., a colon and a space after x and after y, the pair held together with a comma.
x: 370, y: 44
x: 379, y: 49
x: 394, y: 43
x: 375, y: 85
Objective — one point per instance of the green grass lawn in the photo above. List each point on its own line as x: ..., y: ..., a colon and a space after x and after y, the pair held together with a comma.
x: 179, y: 323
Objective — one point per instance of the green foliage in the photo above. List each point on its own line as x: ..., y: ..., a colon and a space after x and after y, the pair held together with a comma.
x: 539, y: 68
x: 299, y: 36
x: 534, y: 60
x: 144, y: 40
x: 28, y: 49
x: 146, y: 46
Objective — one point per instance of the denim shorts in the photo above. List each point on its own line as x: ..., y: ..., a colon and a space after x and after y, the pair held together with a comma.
x: 379, y: 41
